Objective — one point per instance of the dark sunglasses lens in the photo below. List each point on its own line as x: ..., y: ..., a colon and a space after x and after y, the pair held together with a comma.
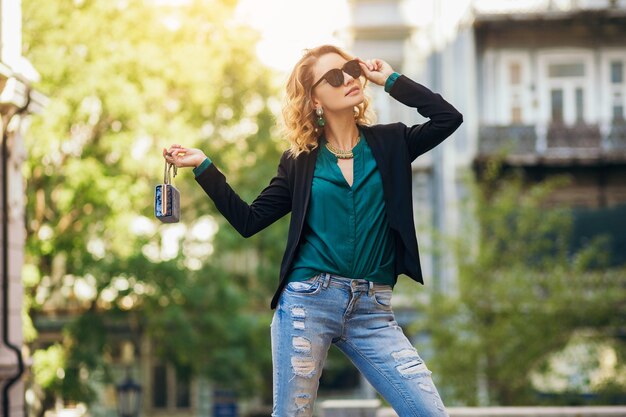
x: 334, y: 77
x: 352, y: 68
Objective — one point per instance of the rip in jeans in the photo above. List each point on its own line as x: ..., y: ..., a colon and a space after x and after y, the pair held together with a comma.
x: 410, y: 365
x: 302, y: 362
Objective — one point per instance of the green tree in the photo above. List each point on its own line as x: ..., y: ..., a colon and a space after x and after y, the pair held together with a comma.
x: 522, y: 293
x: 126, y: 79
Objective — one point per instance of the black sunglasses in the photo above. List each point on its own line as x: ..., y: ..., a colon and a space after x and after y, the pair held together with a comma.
x: 335, y: 75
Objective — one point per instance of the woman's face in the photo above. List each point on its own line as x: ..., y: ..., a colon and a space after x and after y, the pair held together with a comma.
x: 332, y: 99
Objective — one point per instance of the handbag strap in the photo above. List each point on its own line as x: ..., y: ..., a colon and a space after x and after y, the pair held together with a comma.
x: 167, y: 180
x: 167, y: 173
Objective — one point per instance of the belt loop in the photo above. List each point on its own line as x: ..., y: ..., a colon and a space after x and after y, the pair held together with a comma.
x: 326, y: 278
x: 370, y: 292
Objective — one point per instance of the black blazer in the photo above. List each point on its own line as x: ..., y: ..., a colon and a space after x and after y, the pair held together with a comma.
x: 394, y: 147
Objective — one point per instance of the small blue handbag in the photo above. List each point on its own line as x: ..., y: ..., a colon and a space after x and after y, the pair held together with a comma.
x: 167, y: 197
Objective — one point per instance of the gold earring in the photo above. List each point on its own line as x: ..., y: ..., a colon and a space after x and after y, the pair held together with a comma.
x: 321, y: 122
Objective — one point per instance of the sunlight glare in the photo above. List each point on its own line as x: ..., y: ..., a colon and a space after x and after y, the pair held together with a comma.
x: 287, y: 27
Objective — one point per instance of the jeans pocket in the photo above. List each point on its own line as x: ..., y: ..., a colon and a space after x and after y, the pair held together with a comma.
x: 309, y: 286
x: 382, y: 297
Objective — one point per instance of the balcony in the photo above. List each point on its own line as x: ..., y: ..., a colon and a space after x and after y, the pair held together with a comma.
x: 554, y: 144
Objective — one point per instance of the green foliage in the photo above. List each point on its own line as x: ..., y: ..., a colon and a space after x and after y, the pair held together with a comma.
x: 126, y: 79
x: 522, y: 294
x: 48, y: 365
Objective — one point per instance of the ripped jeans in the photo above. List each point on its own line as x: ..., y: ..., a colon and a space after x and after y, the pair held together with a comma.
x: 356, y: 316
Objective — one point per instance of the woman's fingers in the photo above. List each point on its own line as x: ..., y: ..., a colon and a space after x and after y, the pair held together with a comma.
x: 372, y: 69
x: 367, y: 71
x: 174, y: 150
x: 365, y: 64
x: 374, y: 64
x: 376, y: 70
x: 180, y: 156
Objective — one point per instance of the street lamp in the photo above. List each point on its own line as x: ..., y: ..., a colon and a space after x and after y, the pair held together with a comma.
x: 128, y: 398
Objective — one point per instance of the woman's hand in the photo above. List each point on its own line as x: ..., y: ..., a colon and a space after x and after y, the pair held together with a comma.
x: 183, y: 157
x: 376, y: 70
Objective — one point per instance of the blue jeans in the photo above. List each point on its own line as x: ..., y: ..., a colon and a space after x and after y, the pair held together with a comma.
x: 356, y: 316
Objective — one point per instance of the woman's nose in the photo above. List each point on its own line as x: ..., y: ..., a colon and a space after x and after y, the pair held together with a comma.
x: 347, y: 78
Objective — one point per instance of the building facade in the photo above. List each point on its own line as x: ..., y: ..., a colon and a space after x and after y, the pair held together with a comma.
x: 552, y: 92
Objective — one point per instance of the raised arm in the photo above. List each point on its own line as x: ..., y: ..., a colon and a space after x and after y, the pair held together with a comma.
x: 444, y: 118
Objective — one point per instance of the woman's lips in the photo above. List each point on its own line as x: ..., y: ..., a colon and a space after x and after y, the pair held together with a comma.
x: 353, y: 90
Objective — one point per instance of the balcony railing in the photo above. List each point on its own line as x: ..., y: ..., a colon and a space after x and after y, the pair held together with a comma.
x: 528, y: 144
x: 579, y: 136
x: 514, y: 139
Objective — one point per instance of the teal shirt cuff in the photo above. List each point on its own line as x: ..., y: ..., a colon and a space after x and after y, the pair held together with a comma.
x: 202, y: 167
x: 390, y: 80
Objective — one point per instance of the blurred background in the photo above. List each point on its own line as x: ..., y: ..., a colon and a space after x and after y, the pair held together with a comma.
x: 521, y: 213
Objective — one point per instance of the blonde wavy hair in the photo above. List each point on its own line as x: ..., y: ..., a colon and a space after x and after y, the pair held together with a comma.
x: 299, y: 125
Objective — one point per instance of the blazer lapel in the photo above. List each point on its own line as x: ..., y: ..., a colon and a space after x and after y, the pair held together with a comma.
x: 378, y: 151
x: 309, y: 169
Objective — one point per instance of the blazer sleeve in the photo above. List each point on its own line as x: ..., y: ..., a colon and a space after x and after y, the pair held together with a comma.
x: 444, y: 118
x: 270, y: 205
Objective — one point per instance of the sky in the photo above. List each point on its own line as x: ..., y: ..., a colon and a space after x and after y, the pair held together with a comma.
x: 289, y: 26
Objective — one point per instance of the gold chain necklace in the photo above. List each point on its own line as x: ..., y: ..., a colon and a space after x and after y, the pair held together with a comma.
x: 340, y: 153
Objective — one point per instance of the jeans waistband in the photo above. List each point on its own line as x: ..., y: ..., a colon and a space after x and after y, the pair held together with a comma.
x: 353, y: 283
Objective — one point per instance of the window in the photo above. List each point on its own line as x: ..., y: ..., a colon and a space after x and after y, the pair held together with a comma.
x: 566, y: 70
x: 556, y: 103
x: 617, y: 72
x: 605, y: 221
x: 615, y: 75
x: 515, y: 73
x: 515, y: 78
x: 171, y: 389
x: 183, y: 389
x: 579, y: 104
x: 159, y: 386
x: 565, y: 86
x: 513, y: 93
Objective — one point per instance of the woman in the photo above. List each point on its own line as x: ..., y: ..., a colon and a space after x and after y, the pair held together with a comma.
x: 347, y: 185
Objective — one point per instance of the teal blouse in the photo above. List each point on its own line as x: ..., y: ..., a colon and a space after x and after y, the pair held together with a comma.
x: 346, y: 231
